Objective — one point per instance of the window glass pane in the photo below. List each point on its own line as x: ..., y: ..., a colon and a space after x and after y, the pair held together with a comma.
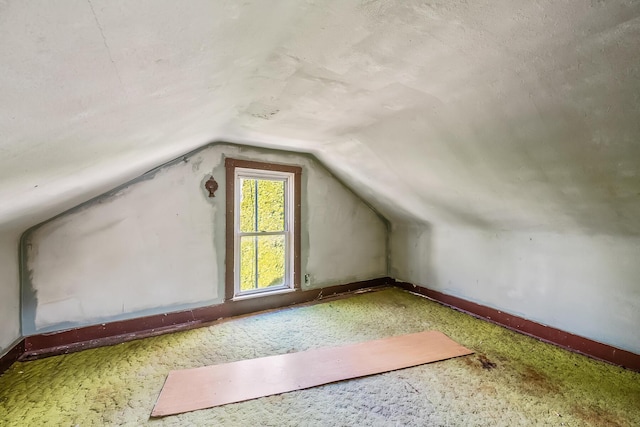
x: 270, y: 205
x: 247, y: 205
x: 247, y: 263
x: 271, y: 257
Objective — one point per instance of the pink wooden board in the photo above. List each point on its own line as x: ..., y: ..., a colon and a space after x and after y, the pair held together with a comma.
x: 209, y: 386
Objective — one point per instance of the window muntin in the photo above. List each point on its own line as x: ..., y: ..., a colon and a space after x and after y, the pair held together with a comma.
x: 263, y: 233
x: 263, y: 228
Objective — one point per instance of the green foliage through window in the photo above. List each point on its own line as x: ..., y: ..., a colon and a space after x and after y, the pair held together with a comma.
x: 262, y: 209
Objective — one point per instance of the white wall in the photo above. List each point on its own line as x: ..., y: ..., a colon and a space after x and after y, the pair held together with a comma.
x: 346, y: 240
x: 9, y: 291
x: 149, y: 245
x: 157, y: 245
x: 586, y: 285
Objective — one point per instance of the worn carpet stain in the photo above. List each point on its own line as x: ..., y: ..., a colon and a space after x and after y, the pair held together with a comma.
x: 486, y: 363
x: 598, y: 416
x: 513, y: 380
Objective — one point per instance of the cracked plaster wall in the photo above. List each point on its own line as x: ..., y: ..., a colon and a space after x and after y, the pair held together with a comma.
x: 513, y: 116
x: 158, y: 244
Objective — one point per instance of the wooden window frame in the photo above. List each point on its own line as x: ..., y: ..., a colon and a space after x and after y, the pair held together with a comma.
x: 231, y: 165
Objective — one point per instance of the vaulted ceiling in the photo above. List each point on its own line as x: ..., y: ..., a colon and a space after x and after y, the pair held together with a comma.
x: 514, y: 114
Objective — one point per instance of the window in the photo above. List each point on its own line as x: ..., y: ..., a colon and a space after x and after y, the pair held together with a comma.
x: 263, y: 228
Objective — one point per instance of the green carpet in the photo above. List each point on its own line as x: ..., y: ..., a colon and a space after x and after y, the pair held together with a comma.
x: 511, y: 380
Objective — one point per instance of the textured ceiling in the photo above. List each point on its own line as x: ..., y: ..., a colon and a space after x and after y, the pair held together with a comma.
x: 513, y: 114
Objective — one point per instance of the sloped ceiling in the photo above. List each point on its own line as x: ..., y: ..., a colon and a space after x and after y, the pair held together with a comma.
x: 514, y: 114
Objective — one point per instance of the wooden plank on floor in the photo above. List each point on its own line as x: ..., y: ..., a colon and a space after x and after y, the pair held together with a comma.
x: 209, y: 386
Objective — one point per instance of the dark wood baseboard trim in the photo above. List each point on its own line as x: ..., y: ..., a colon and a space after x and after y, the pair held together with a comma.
x: 72, y: 340
x: 11, y: 356
x: 575, y: 343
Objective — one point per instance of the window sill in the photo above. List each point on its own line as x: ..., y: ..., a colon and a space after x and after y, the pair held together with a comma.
x: 263, y: 294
